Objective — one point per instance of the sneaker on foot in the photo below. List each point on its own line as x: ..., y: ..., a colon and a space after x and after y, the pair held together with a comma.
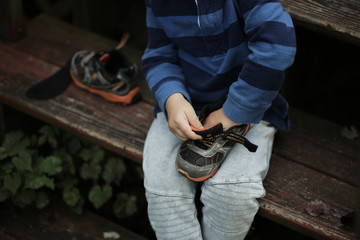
x: 106, y: 73
x: 199, y: 160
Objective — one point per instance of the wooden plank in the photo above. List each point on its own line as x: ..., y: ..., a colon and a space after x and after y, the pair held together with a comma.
x: 340, y: 18
x: 291, y: 187
x: 316, y: 143
x: 57, y: 222
x: 115, y: 127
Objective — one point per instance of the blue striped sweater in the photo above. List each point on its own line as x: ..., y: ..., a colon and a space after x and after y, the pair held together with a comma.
x: 209, y: 49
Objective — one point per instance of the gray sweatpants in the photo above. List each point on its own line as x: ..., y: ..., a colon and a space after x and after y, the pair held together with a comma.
x: 229, y: 197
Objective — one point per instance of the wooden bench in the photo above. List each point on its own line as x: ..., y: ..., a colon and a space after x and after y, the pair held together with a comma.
x: 340, y: 19
x: 309, y: 162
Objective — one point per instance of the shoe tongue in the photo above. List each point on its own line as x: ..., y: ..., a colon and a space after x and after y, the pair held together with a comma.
x: 113, y: 61
x: 208, y: 132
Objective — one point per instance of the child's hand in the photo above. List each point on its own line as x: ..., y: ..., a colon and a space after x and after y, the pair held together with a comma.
x: 181, y: 116
x: 219, y: 116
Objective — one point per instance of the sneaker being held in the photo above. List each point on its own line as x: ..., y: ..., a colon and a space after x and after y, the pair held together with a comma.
x: 106, y: 73
x: 199, y: 160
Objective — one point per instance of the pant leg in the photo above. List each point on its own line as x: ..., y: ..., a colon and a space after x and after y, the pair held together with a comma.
x: 229, y: 197
x: 171, y: 207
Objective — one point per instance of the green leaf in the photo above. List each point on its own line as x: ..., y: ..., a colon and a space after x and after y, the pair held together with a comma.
x: 98, y: 154
x: 108, y: 175
x: 67, y: 161
x: 15, y: 142
x: 46, y: 130
x: 124, y: 205
x: 98, y: 196
x: 13, y: 137
x: 51, y: 165
x: 42, y: 140
x: 34, y: 181
x: 78, y: 208
x: 48, y: 134
x: 23, y: 161
x: 42, y: 200
x: 90, y: 171
x: 24, y: 198
x: 53, y: 142
x: 71, y: 196
x: 12, y: 182
x: 114, y: 170
x: 85, y: 154
x: 95, y: 154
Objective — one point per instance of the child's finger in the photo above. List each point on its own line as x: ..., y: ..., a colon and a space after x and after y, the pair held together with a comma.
x: 194, y: 120
x: 190, y: 134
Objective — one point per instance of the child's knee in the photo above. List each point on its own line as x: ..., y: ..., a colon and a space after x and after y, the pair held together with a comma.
x: 173, y: 217
x: 230, y: 208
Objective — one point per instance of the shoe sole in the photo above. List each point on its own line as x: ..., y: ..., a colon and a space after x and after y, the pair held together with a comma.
x: 190, y: 171
x: 130, y: 98
x: 198, y: 179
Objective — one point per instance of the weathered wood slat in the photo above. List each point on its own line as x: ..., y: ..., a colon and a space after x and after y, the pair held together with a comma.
x: 291, y: 187
x: 320, y: 147
x: 56, y: 222
x: 342, y: 18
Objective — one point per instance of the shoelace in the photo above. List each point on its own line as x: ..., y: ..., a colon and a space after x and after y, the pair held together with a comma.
x: 209, y: 140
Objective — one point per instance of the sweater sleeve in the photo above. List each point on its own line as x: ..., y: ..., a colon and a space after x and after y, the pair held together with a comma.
x: 160, y: 63
x: 272, y: 45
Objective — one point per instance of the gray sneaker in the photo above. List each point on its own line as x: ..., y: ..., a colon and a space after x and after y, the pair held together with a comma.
x: 108, y: 74
x: 200, y: 160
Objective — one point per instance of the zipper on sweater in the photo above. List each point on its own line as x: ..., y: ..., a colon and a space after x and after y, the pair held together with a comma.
x: 198, y: 14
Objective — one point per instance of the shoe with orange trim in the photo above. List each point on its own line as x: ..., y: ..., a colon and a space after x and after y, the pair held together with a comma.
x: 106, y: 73
x: 199, y: 160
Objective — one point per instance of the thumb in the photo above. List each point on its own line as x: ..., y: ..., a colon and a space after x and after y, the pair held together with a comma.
x: 194, y: 121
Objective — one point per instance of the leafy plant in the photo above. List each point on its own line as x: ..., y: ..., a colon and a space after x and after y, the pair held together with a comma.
x: 32, y: 167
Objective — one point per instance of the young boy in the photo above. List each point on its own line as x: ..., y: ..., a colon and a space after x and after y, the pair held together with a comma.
x: 200, y: 52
